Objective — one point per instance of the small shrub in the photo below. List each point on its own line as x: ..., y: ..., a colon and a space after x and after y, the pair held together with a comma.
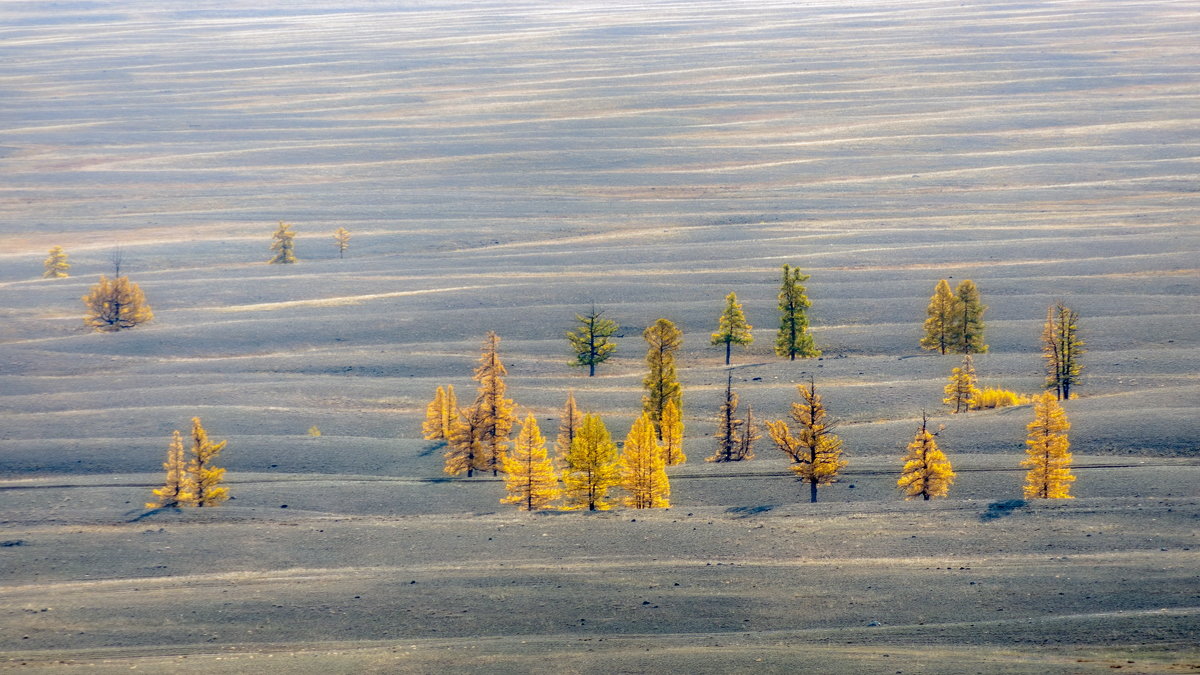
x: 314, y: 431
x: 997, y: 398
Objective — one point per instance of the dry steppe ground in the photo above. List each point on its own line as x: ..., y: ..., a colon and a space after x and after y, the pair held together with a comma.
x: 504, y: 165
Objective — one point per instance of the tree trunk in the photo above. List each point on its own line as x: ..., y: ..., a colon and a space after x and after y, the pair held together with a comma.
x: 728, y: 347
x: 812, y: 492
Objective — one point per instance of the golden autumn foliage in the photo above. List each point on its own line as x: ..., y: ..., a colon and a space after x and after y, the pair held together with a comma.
x: 962, y: 389
x: 671, y: 430
x: 529, y: 475
x: 938, y: 325
x: 206, y: 478
x: 283, y: 243
x: 177, y: 490
x: 643, y: 468
x: 661, y: 383
x: 732, y: 328
x: 440, y: 415
x: 56, y: 264
x: 590, y: 469
x: 496, y: 416
x: 341, y: 238
x: 989, y: 397
x: 815, y: 450
x: 465, y: 443
x: 568, y: 428
x: 115, y: 304
x: 1048, y: 451
x: 314, y: 431
x: 927, y: 472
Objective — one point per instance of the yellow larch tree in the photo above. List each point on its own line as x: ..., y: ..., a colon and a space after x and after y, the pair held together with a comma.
x: 496, y: 411
x: 662, y: 384
x: 671, y: 430
x: 465, y: 443
x: 115, y: 304
x: 815, y: 450
x: 56, y: 264
x: 206, y: 478
x: 177, y: 490
x: 283, y: 243
x: 962, y: 389
x: 940, y: 322
x: 927, y: 472
x: 529, y: 474
x: 440, y: 415
x: 1049, y: 456
x: 341, y: 237
x: 732, y: 327
x: 591, y: 467
x: 568, y: 428
x: 643, y: 468
x: 794, y: 339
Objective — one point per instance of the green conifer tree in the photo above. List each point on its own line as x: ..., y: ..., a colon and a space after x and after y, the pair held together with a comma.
x: 794, y: 340
x: 732, y: 327
x: 592, y: 340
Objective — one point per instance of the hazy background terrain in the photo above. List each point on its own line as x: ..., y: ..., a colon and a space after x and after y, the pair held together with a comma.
x: 504, y: 165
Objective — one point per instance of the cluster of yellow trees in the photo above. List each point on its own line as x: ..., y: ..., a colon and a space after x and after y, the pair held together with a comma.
x: 586, y: 465
x: 194, y: 481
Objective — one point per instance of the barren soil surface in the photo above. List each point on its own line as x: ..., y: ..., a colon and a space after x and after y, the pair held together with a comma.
x: 503, y: 166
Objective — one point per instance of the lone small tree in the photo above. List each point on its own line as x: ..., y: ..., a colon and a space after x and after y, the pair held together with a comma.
x: 794, y: 340
x: 643, y: 468
x: 177, y: 490
x: 591, y: 467
x: 927, y: 472
x: 939, y: 326
x: 1048, y: 451
x: 284, y: 244
x: 591, y: 340
x: 962, y: 389
x: 529, y: 475
x: 206, y: 478
x: 341, y: 238
x: 661, y: 383
x: 815, y: 449
x: 496, y: 410
x: 56, y: 264
x: 1062, y: 350
x: 967, y: 327
x: 115, y: 304
x: 732, y: 327
x: 729, y: 426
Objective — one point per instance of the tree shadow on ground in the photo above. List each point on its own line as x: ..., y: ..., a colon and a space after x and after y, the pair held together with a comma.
x: 997, y: 510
